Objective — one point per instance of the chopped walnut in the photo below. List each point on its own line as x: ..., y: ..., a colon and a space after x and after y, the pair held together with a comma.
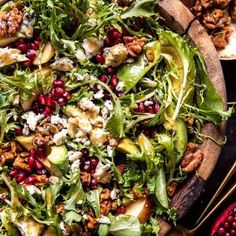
x: 104, y: 178
x: 192, y: 158
x: 216, y: 18
x: 105, y: 207
x: 137, y: 193
x: 105, y: 194
x: 221, y: 38
x: 10, y: 22
x: 85, y: 178
x: 41, y: 140
x: 134, y: 45
x: 21, y: 163
x: 59, y: 208
x: 233, y: 10
x: 91, y: 222
x: 171, y: 188
x: 190, y: 122
x: 41, y: 180
x: 9, y: 152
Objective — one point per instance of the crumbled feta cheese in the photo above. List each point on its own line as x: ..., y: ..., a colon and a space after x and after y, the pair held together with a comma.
x: 91, y: 46
x: 62, y: 64
x: 109, y: 105
x: 25, y: 130
x: 98, y: 136
x: 105, y: 112
x: 63, y: 228
x: 80, y: 202
x: 56, y: 120
x: 33, y: 190
x: 148, y: 103
x: 109, y: 151
x: 114, y: 193
x: 99, y: 94
x: 113, y: 142
x: 101, y: 169
x: 79, y: 77
x: 85, y: 217
x: 80, y: 55
x: 86, y: 104
x: 60, y: 136
x: 104, y: 220
x: 92, y: 22
x: 120, y: 86
x: 116, y: 55
x: 87, y: 143
x: 75, y: 165
x: 32, y: 119
x: 74, y: 155
x: 53, y: 179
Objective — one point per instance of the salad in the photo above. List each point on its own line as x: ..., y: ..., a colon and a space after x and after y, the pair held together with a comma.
x: 101, y: 108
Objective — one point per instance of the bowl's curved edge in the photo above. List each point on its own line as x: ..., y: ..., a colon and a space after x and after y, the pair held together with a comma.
x: 179, y: 19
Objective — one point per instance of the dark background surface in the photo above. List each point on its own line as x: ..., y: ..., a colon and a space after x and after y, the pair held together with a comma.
x: 226, y: 159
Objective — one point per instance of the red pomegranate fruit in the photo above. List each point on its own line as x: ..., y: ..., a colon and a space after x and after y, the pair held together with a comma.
x: 225, y: 224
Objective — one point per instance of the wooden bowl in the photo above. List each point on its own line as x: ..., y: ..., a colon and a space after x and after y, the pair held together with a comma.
x: 180, y: 20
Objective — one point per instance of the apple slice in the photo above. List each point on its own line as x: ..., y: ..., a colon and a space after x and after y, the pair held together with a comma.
x: 47, y: 53
x: 140, y: 208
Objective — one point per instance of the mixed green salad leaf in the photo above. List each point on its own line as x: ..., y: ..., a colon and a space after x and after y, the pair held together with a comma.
x: 101, y: 110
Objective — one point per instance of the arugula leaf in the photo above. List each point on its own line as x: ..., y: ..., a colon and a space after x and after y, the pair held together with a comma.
x: 103, y: 230
x: 72, y: 216
x: 94, y: 200
x: 140, y: 8
x: 208, y: 101
x: 116, y: 122
x: 124, y: 225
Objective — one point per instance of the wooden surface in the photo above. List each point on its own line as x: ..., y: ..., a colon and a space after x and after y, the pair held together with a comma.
x: 179, y: 19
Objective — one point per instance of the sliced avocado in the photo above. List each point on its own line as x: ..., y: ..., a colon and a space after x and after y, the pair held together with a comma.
x: 28, y: 226
x: 25, y: 141
x: 58, y: 157
x: 127, y: 146
x: 53, y: 169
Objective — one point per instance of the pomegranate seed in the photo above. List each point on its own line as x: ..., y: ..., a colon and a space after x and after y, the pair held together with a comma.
x: 125, y: 32
x: 41, y: 100
x: 141, y: 107
x: 112, y: 87
x: 100, y: 59
x: 94, y: 183
x: 121, y: 168
x: 20, y: 176
x: 27, y: 63
x: 232, y: 232
x: 121, y: 209
x: 19, y: 41
x: 86, y: 188
x: 58, y: 92
x: 111, y: 30
x: 32, y: 152
x: 107, y: 42
x: 94, y: 162
x: 48, y: 111
x: 61, y: 101
x: 30, y: 180
x: 67, y: 95
x: 221, y: 231
x: 34, y: 46
x: 84, y: 151
x: 31, y: 162
x: 110, y: 70
x: 41, y: 153
x: 23, y: 48
x: 92, y: 172
x: 103, y: 78
x: 115, y: 42
x: 116, y: 35
x: 226, y: 225
x: 38, y: 165
x: 156, y: 107
x: 58, y: 83
x: 50, y: 101
x: 233, y: 225
x: 114, y: 80
x: 42, y: 172
x: 87, y: 167
x: 229, y: 219
x: 151, y: 110
x: 31, y: 54
x: 227, y: 234
x: 37, y: 42
x: 18, y: 131
x: 13, y: 173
